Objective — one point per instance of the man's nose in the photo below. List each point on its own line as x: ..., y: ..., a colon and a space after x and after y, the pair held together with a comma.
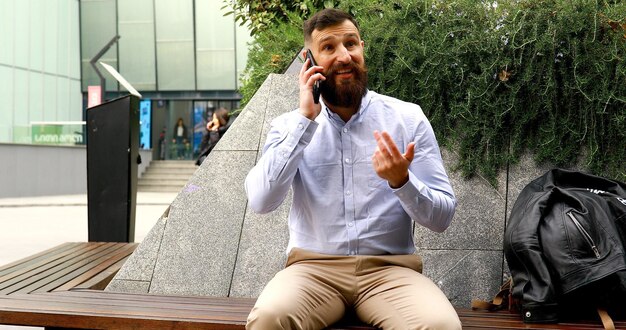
x: 343, y: 56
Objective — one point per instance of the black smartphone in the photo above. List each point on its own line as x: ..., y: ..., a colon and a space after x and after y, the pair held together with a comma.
x: 316, y: 85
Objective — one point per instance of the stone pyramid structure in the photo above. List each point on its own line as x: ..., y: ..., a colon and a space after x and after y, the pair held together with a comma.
x: 208, y: 243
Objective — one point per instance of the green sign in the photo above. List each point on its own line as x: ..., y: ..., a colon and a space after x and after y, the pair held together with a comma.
x: 57, y: 133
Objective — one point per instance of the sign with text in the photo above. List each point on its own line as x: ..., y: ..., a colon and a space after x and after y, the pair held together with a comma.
x: 94, y: 96
x: 57, y: 133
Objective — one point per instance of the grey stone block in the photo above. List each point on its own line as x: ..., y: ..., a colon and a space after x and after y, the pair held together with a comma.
x: 479, y: 218
x: 140, y: 265
x: 464, y: 275
x: 245, y: 132
x: 262, y: 250
x: 521, y: 174
x: 199, y: 246
x: 284, y: 88
x: 296, y: 64
x: 264, y: 239
x: 128, y: 286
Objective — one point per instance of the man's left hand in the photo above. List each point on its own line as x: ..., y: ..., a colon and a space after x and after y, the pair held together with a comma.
x: 389, y: 163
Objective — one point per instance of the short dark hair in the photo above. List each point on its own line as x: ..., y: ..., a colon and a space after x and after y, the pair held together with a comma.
x: 222, y: 115
x: 325, y: 18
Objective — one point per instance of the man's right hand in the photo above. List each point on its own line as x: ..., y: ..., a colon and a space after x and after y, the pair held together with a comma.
x: 308, y: 77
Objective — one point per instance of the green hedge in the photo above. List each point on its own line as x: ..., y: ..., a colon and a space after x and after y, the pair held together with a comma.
x: 497, y: 78
x: 271, y: 52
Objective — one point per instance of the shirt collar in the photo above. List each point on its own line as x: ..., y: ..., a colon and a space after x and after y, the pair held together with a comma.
x: 335, y: 119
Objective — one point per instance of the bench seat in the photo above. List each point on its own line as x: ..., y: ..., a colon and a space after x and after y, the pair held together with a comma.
x: 94, y: 309
x: 62, y: 288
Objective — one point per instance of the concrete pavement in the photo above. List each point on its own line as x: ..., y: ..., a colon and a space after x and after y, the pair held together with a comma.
x: 30, y: 225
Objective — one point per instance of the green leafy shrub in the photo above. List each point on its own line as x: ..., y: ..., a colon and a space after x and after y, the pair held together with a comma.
x: 497, y: 78
x: 262, y: 14
x: 500, y: 77
x: 271, y: 52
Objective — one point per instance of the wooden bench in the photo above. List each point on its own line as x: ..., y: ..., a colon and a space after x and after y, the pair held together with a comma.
x: 61, y: 288
x: 69, y: 265
x: 92, y: 309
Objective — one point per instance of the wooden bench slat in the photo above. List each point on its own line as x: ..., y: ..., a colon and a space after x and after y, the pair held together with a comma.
x: 26, y: 274
x: 99, y: 281
x: 509, y: 320
x: 70, y: 281
x: 79, y: 322
x: 505, y: 316
x: 134, y: 316
x: 23, y: 266
x: 45, y: 274
x: 496, y: 324
x: 75, y: 270
x: 100, y: 308
x: 10, y: 267
x: 127, y: 303
x: 174, y: 299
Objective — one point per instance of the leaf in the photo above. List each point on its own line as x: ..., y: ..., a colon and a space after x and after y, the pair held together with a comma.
x: 504, y: 75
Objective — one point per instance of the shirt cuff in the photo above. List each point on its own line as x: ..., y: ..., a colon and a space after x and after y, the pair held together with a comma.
x: 410, y: 190
x: 301, y: 127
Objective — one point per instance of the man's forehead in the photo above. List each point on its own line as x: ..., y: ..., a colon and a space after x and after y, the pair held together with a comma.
x: 341, y: 30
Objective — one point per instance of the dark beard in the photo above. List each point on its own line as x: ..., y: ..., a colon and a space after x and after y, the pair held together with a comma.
x: 345, y: 94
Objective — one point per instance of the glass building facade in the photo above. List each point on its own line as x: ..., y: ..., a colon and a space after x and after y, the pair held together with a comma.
x: 40, y: 91
x: 184, y: 56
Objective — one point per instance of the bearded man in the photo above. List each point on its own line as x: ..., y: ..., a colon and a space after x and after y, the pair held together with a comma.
x: 364, y: 168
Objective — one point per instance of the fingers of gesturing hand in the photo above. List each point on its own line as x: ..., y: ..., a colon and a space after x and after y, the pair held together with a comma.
x: 386, y: 145
x: 388, y: 162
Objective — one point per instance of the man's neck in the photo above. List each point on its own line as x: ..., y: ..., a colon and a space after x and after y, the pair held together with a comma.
x: 345, y: 113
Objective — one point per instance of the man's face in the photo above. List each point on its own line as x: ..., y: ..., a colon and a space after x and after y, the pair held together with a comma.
x: 339, y: 49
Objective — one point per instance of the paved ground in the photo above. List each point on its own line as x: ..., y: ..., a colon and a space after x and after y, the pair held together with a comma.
x: 33, y: 224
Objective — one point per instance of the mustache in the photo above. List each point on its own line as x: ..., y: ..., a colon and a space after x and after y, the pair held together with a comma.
x: 332, y: 71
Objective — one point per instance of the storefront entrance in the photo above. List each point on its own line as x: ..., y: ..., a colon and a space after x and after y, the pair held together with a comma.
x: 178, y: 127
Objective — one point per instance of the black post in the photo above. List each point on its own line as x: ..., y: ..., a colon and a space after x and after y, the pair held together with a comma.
x: 112, y: 154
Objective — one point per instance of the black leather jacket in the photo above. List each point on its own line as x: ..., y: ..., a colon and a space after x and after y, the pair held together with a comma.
x: 566, y: 230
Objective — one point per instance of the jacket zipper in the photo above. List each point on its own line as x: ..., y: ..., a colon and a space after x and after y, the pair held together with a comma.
x: 585, y: 234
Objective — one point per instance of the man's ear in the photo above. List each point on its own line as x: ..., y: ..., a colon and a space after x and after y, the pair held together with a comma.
x: 304, y: 53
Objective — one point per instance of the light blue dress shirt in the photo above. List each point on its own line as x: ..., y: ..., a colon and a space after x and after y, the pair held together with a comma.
x: 340, y: 205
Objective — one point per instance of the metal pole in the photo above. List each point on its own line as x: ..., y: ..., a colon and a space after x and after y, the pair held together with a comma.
x: 96, y: 58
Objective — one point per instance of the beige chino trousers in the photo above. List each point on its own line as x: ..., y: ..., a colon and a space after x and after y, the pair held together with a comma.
x: 387, y: 291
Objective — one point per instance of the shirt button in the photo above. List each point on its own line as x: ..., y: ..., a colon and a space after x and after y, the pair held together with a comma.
x: 345, y: 130
x: 350, y: 224
x: 300, y: 126
x: 347, y: 160
x: 348, y: 192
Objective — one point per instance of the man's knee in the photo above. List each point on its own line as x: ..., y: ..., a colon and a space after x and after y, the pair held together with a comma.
x: 289, y: 315
x: 263, y: 318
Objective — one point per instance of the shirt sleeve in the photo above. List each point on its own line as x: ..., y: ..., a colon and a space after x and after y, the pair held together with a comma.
x: 268, y: 182
x: 428, y: 197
